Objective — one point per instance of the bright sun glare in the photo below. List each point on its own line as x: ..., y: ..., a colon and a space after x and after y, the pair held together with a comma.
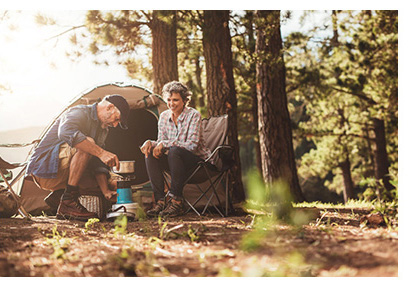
x: 39, y: 78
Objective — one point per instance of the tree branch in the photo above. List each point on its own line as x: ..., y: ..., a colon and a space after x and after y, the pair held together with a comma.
x: 323, y: 134
x: 361, y: 95
x: 67, y: 31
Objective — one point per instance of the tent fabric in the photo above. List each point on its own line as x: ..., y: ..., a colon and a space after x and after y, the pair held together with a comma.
x: 142, y: 125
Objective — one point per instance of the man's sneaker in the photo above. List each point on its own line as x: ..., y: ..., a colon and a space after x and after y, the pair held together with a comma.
x: 72, y: 209
x: 155, y: 211
x: 174, y: 208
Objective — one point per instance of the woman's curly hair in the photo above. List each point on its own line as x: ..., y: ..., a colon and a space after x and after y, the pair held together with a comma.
x: 179, y: 88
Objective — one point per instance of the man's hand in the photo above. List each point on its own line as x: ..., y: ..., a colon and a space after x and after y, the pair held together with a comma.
x: 158, y: 150
x: 106, y: 157
x: 110, y: 195
x: 146, y: 148
x: 109, y: 159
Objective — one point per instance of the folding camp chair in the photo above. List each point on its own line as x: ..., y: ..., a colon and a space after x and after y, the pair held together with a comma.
x: 4, y: 166
x: 214, y: 169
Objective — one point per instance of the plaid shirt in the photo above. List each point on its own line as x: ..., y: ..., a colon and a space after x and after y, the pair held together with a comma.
x: 187, y: 134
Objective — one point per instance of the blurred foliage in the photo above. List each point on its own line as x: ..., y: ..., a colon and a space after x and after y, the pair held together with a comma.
x: 273, y: 200
x: 271, y: 205
x: 343, y: 86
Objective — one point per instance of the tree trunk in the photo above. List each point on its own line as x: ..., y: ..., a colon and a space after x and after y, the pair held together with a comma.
x: 348, y: 183
x: 251, y: 45
x: 164, y: 48
x: 381, y: 159
x: 221, y: 92
x: 275, y: 131
x: 198, y: 71
x: 335, y: 36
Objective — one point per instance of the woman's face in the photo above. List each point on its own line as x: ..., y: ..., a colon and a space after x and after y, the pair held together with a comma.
x: 175, y: 103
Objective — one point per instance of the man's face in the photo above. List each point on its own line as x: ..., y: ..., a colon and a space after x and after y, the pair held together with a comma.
x: 112, y: 117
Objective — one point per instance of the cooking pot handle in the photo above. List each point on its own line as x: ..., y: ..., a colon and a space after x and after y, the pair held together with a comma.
x: 120, y: 207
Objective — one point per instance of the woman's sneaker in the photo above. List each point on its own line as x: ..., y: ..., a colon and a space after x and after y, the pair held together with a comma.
x: 174, y: 208
x: 157, y: 209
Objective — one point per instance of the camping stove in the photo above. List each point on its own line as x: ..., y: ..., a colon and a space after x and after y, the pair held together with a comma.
x: 124, y: 203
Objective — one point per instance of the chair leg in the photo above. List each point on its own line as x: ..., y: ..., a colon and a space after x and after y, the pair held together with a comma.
x: 208, y: 203
x: 227, y: 193
x: 213, y: 185
x: 168, y: 183
x: 191, y: 207
x: 21, y: 209
x: 202, y: 192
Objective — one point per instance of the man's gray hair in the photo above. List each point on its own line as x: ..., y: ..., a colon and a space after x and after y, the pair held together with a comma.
x: 176, y: 87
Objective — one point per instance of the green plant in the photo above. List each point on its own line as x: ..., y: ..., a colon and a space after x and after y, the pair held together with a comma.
x: 90, y: 223
x: 376, y: 191
x: 163, y: 226
x: 289, y: 265
x: 192, y: 234
x: 388, y: 209
x: 255, y: 239
x: 274, y: 199
x: 121, y: 223
x: 59, y: 243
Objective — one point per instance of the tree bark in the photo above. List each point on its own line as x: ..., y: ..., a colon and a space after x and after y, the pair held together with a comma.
x: 198, y: 71
x: 381, y: 159
x: 164, y: 48
x: 275, y: 131
x: 221, y: 92
x: 251, y: 46
x: 335, y: 36
x: 347, y: 177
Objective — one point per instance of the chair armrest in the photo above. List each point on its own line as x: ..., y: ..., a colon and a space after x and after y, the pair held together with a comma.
x: 217, y: 149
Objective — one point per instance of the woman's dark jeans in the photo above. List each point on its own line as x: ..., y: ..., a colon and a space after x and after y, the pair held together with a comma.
x: 179, y: 163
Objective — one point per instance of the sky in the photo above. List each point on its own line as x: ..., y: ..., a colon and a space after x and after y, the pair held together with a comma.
x: 41, y: 79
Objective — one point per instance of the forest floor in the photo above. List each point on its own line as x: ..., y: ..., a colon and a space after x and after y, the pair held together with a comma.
x: 336, y: 242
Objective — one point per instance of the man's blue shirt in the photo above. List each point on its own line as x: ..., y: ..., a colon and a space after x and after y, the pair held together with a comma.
x: 72, y: 127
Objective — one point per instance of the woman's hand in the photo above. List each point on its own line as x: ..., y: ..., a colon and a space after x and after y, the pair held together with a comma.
x: 146, y: 148
x: 158, y: 150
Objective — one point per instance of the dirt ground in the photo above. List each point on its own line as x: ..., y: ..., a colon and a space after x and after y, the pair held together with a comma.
x: 335, y: 243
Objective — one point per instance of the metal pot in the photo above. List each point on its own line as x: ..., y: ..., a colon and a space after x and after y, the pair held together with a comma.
x: 125, y: 167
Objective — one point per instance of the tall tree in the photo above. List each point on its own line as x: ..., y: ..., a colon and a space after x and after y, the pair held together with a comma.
x: 275, y: 131
x: 164, y: 48
x: 221, y: 90
x: 245, y: 78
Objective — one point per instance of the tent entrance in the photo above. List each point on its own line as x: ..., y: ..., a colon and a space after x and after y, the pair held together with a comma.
x: 142, y: 125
